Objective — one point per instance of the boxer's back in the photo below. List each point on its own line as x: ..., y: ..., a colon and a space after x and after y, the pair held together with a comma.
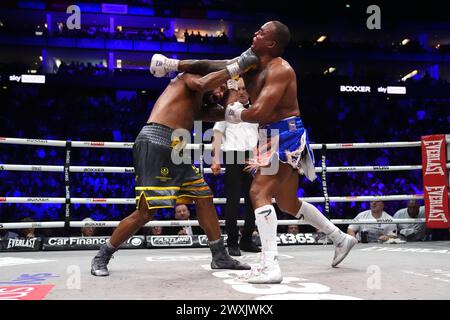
x: 177, y: 105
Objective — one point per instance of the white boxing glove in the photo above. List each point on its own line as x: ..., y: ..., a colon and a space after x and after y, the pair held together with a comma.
x: 233, y: 112
x: 232, y: 84
x: 161, y: 65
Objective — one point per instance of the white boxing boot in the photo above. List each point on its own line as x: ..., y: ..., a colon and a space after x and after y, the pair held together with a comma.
x: 269, y: 272
x: 342, y: 248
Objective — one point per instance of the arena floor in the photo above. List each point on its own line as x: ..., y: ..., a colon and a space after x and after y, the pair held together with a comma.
x: 371, y: 271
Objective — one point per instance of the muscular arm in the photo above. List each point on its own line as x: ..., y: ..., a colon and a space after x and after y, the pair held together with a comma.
x: 203, y: 66
x: 217, y: 142
x: 208, y: 82
x: 277, y: 80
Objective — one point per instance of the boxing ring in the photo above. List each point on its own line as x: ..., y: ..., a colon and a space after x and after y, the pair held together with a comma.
x: 416, y: 270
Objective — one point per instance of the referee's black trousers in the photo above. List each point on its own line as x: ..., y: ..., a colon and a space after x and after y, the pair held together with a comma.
x: 237, y: 182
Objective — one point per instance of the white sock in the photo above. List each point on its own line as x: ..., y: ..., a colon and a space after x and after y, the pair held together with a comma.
x: 314, y: 217
x: 267, y: 222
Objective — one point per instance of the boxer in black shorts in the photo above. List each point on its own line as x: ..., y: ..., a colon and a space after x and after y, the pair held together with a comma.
x: 160, y: 183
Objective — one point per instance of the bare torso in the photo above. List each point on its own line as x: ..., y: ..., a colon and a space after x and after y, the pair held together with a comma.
x: 178, y: 106
x: 288, y: 104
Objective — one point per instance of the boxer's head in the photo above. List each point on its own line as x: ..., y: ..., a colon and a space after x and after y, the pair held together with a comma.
x: 272, y: 38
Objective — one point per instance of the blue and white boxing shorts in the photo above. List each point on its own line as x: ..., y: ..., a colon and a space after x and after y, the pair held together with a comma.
x: 287, y: 141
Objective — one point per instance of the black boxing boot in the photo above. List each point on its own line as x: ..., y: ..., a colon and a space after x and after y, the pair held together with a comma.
x: 99, y: 264
x: 222, y: 260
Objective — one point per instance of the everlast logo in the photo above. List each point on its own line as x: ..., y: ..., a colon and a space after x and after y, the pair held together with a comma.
x: 436, y: 197
x: 171, y: 241
x: 433, y: 149
x: 27, y: 243
x: 2, y: 199
x: 96, y: 143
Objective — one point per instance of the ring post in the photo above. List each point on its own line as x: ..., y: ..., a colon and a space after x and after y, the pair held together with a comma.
x: 67, y: 187
x: 324, y: 180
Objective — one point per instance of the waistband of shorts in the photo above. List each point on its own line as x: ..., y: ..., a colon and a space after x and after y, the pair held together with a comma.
x: 289, y: 124
x: 156, y: 133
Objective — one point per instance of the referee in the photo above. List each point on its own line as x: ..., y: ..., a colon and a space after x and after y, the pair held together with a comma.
x: 238, y: 140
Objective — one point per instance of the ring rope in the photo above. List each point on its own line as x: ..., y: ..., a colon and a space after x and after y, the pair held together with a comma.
x: 46, y: 168
x: 132, y: 201
x: 129, y: 145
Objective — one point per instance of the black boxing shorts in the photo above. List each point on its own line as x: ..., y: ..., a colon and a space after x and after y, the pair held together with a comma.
x: 159, y: 180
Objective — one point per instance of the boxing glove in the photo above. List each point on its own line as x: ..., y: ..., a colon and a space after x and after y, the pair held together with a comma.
x: 161, y: 65
x: 247, y: 61
x: 233, y: 112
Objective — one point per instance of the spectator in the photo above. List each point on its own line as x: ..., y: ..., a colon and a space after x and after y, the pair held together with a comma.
x: 411, y: 231
x: 88, y: 231
x: 238, y: 140
x: 27, y: 233
x: 293, y: 229
x: 374, y: 232
x: 182, y: 213
x: 153, y: 231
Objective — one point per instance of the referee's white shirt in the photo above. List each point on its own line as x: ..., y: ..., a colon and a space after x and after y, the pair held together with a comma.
x: 241, y: 136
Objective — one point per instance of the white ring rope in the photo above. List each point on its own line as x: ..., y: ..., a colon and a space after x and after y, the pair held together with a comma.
x: 39, y: 168
x: 216, y: 200
x: 129, y: 145
x: 44, y: 168
x: 183, y: 223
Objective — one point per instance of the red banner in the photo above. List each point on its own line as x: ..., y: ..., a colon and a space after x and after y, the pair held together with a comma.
x: 435, y: 188
x: 25, y: 292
